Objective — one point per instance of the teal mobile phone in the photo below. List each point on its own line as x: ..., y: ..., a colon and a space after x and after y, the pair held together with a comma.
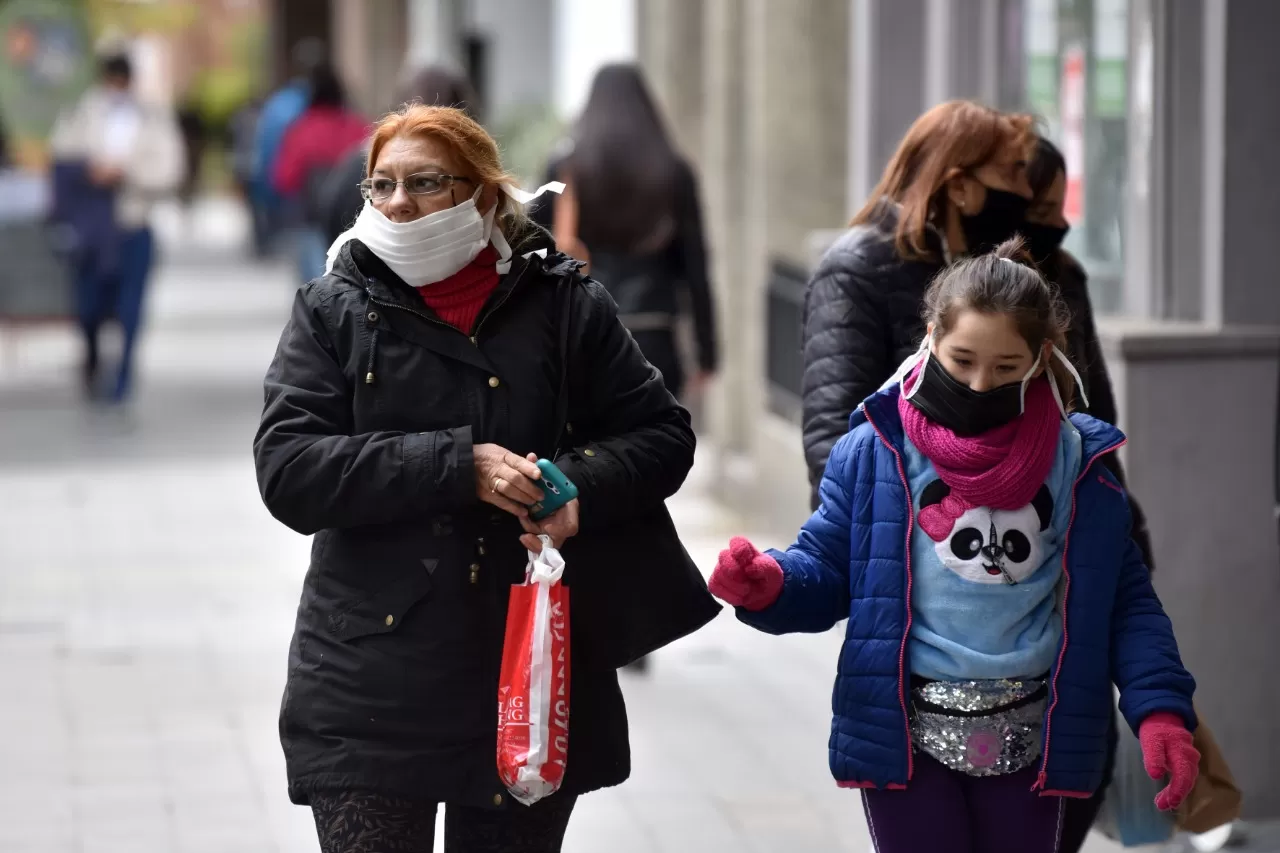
x: 556, y: 490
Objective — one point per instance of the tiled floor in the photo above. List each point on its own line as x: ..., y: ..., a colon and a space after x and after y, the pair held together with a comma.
x: 146, y: 601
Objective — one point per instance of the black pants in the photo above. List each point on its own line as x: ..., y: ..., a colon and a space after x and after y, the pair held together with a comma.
x: 366, y: 822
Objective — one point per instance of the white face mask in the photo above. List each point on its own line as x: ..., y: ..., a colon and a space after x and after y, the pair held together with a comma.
x: 437, y: 245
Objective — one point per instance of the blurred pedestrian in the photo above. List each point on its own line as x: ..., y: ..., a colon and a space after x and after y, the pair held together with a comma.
x: 631, y: 208
x: 278, y: 112
x: 431, y: 85
x: 116, y: 156
x: 1045, y: 229
x: 194, y: 138
x: 312, y: 147
x: 957, y: 185
x: 243, y: 129
x: 413, y: 387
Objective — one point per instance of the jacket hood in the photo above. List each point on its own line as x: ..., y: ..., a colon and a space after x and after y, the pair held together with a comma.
x: 881, y: 410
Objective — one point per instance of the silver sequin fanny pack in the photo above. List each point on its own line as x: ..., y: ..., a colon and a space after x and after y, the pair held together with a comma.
x: 982, y: 728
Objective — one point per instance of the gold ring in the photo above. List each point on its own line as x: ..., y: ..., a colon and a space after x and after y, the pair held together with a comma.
x: 496, y: 481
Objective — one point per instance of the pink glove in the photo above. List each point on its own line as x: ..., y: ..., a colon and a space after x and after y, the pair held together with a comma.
x: 746, y: 578
x: 1167, y: 750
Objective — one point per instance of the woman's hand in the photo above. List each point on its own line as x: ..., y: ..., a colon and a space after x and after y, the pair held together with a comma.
x: 746, y: 578
x: 507, y: 480
x: 560, y: 525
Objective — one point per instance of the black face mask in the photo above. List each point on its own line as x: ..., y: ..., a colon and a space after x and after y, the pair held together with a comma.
x: 946, y: 401
x: 1043, y: 241
x: 1003, y: 215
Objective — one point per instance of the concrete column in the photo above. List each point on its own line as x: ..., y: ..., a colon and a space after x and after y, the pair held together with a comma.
x: 671, y: 37
x: 962, y: 53
x: 369, y: 50
x: 723, y: 189
x: 1243, y: 119
x: 435, y: 29
x: 792, y: 183
x: 889, y: 68
x: 1202, y: 224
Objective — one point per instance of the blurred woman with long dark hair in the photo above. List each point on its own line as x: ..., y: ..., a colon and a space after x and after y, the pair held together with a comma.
x: 631, y: 208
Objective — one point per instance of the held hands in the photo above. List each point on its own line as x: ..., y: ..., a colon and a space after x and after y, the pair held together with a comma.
x: 506, y: 480
x: 510, y: 482
x: 746, y: 578
x: 560, y: 525
x: 1167, y: 750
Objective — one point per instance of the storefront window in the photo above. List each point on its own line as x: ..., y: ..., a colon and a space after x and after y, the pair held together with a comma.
x: 1069, y: 65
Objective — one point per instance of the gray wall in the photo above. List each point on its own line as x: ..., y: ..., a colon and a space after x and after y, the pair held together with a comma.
x: 521, y: 53
x: 1200, y: 461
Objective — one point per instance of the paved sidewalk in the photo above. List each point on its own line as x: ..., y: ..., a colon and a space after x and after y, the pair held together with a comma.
x: 146, y: 602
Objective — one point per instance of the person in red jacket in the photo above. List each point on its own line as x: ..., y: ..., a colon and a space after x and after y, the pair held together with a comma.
x: 314, y: 144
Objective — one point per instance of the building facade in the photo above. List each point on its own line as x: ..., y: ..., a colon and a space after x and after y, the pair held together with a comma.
x: 1166, y: 112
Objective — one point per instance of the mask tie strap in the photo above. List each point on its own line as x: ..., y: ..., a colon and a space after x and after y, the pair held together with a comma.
x: 920, y: 358
x: 1075, y: 374
x: 1026, y: 380
x: 524, y: 196
x: 519, y: 196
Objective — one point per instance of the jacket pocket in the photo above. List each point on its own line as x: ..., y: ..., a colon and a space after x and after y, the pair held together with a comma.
x: 384, y: 611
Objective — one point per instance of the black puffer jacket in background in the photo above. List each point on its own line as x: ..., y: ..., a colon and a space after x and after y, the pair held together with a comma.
x: 1085, y: 351
x: 861, y: 320
x: 373, y: 406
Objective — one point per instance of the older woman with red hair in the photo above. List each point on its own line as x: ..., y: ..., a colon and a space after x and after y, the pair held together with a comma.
x: 447, y: 348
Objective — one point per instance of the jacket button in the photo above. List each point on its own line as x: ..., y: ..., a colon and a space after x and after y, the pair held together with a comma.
x: 494, y: 382
x: 390, y: 619
x: 373, y: 316
x: 568, y: 428
x: 497, y: 799
x: 588, y: 452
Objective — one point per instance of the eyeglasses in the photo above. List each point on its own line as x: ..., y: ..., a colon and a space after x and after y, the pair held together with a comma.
x: 423, y: 183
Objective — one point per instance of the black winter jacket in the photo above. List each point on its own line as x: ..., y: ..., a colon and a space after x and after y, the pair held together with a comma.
x: 373, y: 406
x: 864, y: 315
x: 1085, y: 351
x: 861, y: 319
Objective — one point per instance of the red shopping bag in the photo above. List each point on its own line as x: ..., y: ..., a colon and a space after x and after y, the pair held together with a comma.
x: 533, y: 688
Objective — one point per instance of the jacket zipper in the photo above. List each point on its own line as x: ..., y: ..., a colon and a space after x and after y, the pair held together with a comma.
x: 906, y: 633
x: 1043, y: 775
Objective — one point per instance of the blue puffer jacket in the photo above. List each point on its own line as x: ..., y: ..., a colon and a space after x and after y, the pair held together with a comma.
x: 852, y: 559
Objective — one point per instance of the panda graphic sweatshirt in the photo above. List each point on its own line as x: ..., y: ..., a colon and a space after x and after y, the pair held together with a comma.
x: 984, y: 596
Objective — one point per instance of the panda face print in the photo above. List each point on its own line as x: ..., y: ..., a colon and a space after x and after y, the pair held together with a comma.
x: 994, y: 546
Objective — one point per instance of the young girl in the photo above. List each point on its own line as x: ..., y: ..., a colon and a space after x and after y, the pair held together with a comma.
x: 982, y: 556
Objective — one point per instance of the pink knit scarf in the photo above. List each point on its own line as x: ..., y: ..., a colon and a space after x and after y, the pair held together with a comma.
x: 1000, y: 469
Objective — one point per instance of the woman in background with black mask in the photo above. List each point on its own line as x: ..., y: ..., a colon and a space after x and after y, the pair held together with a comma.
x: 1045, y: 229
x: 957, y: 185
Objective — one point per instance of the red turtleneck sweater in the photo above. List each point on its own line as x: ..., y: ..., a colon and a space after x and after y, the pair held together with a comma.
x: 459, y: 298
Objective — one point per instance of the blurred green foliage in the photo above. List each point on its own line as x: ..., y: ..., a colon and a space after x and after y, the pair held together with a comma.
x: 527, y: 137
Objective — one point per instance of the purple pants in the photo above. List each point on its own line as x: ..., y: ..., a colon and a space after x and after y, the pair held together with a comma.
x: 943, y: 811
